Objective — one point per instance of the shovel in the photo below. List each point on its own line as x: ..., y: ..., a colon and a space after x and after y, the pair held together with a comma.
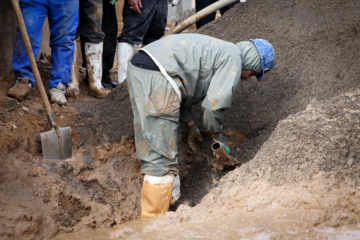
x: 56, y: 143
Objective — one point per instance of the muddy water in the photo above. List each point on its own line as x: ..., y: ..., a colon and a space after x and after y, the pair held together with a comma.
x: 105, y: 234
x: 273, y: 224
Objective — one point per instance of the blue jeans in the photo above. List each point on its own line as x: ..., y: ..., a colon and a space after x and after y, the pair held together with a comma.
x: 146, y: 27
x: 63, y: 21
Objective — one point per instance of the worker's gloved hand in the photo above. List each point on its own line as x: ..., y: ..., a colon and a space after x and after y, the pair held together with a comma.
x: 112, y: 2
x: 193, y: 135
x: 220, y: 138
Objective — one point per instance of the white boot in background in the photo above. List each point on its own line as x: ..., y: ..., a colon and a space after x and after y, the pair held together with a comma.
x: 57, y: 95
x: 73, y: 87
x: 176, y: 193
x: 93, y: 55
x: 156, y: 195
x: 125, y: 52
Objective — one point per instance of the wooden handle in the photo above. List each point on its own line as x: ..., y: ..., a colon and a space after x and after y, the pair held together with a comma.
x: 200, y: 15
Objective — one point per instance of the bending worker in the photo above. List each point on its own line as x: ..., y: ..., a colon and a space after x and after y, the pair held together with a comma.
x: 165, y: 79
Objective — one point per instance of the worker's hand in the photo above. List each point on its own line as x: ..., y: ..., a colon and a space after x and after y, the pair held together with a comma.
x: 193, y: 136
x: 174, y: 3
x: 135, y: 5
x: 220, y: 138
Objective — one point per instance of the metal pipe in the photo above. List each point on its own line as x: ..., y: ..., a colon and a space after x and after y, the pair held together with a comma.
x: 220, y: 153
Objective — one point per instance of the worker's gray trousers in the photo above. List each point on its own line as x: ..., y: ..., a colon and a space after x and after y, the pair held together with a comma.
x: 156, y: 109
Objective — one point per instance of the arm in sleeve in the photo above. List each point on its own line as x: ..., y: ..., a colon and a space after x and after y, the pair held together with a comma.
x: 223, y: 84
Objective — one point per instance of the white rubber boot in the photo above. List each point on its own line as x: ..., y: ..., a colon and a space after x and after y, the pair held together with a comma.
x: 125, y: 52
x: 93, y: 55
x: 156, y: 195
x: 176, y: 193
x: 57, y: 95
x: 73, y: 87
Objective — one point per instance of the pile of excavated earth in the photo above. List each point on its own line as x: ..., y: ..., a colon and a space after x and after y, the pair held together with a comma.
x: 296, y: 135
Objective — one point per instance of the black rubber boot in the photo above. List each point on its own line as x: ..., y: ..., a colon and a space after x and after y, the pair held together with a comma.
x: 106, y: 86
x: 107, y: 82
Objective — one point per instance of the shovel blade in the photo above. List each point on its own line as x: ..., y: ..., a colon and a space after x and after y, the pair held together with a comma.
x: 51, y: 148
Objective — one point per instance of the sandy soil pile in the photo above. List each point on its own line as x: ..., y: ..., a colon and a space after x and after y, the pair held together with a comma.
x: 299, y: 159
x: 303, y: 183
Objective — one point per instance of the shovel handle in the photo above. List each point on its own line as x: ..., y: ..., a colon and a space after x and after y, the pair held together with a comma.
x: 200, y: 15
x: 35, y: 70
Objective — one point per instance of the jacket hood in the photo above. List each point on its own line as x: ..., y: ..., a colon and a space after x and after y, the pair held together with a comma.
x: 250, y: 56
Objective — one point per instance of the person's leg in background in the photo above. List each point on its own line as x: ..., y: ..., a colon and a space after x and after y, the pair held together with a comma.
x: 34, y: 14
x: 110, y: 28
x: 133, y: 33
x: 63, y: 22
x: 92, y: 35
x: 73, y: 90
x: 127, y: 39
x: 201, y: 4
x: 224, y: 9
x: 157, y: 26
x: 82, y: 48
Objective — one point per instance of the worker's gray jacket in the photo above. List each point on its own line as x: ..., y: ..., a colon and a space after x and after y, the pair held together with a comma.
x: 204, y: 68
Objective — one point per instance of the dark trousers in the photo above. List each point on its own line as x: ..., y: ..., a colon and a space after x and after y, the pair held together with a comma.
x: 90, y: 18
x: 146, y: 27
x: 109, y: 27
x: 201, y: 4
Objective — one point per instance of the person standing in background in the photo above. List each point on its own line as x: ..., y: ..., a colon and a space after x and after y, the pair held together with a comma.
x: 90, y: 29
x: 144, y: 23
x: 109, y: 27
x: 63, y: 21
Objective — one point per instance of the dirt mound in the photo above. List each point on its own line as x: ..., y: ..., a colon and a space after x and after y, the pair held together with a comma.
x: 317, y: 48
x: 322, y: 139
x: 301, y: 157
x: 318, y: 145
x: 304, y: 178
